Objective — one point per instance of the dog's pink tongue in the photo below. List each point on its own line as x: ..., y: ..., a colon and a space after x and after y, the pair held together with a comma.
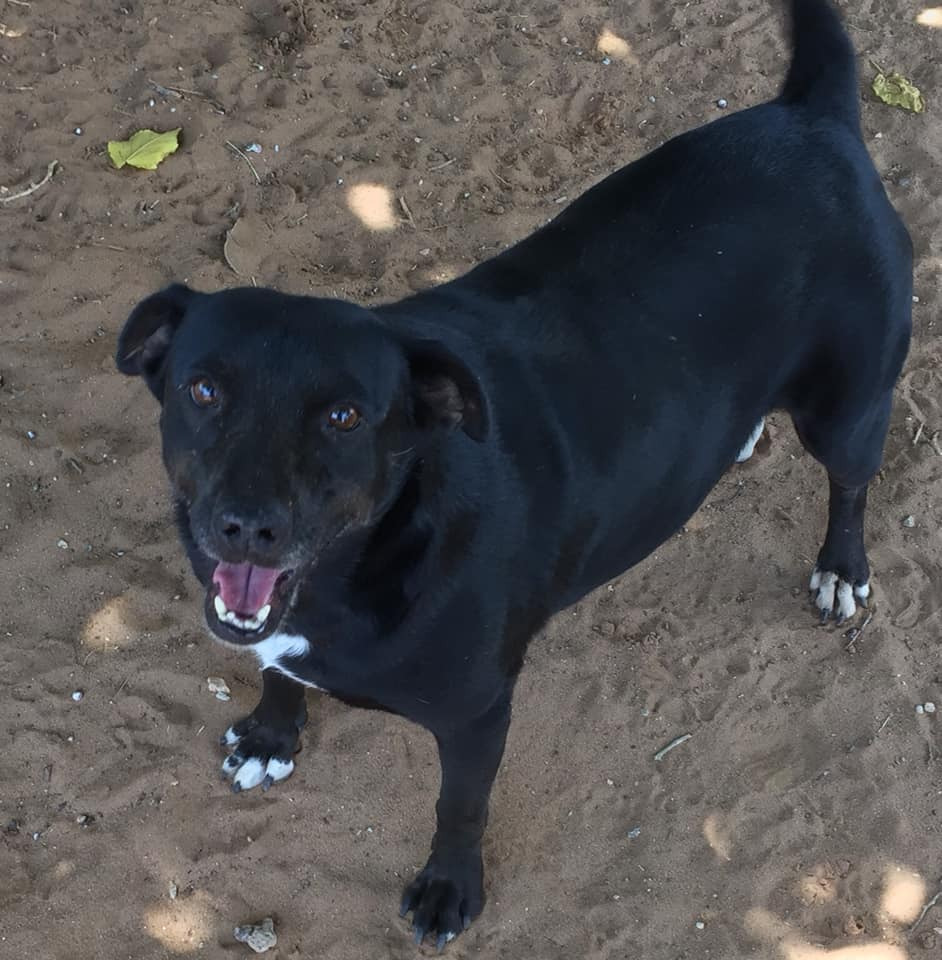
x: 245, y: 588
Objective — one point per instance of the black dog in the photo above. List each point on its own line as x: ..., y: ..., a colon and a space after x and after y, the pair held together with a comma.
x: 388, y: 503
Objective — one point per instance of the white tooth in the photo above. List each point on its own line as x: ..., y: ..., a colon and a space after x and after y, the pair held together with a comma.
x: 230, y: 617
x: 262, y: 614
x: 221, y: 608
x: 252, y: 624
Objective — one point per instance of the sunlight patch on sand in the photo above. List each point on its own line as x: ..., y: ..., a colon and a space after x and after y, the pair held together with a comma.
x: 611, y: 45
x: 717, y: 835
x: 372, y: 205
x: 182, y: 926
x: 904, y: 893
x: 107, y: 628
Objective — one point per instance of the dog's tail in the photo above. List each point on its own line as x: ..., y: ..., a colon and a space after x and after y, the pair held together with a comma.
x: 823, y: 71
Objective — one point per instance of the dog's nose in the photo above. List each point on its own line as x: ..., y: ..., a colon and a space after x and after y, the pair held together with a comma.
x: 254, y: 534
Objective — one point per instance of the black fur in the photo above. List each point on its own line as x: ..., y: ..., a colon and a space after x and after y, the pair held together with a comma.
x: 534, y: 428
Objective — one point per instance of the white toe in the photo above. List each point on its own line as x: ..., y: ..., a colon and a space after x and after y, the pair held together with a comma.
x: 230, y: 765
x: 249, y: 775
x: 230, y: 738
x: 279, y: 769
x: 863, y: 591
x: 827, y: 586
x: 845, y: 600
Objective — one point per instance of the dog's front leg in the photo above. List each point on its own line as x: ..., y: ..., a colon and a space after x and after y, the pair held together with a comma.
x: 263, y: 744
x: 449, y: 892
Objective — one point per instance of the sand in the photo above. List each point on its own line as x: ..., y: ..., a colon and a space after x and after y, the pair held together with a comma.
x: 801, y: 821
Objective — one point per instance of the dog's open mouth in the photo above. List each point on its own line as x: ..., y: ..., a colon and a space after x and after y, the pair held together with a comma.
x: 245, y: 603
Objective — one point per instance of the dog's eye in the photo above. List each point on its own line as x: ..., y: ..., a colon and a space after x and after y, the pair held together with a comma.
x: 203, y: 393
x: 344, y: 418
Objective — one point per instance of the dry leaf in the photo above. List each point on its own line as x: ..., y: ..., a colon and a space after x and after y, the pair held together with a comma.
x: 145, y: 149
x: 897, y: 91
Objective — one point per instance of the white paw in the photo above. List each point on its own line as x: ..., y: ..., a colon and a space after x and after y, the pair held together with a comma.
x: 832, y: 595
x: 249, y: 772
x: 748, y: 448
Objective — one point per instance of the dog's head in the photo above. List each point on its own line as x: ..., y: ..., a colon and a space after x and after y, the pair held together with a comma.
x: 288, y: 423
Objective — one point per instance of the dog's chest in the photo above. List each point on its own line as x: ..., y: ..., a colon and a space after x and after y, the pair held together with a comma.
x: 286, y: 653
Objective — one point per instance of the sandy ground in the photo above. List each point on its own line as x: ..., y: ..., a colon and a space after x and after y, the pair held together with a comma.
x: 802, y: 821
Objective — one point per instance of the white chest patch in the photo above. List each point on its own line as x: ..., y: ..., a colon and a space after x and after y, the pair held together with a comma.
x: 271, y: 650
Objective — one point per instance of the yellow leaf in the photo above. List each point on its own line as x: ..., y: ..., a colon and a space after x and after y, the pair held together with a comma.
x: 897, y: 91
x: 145, y: 149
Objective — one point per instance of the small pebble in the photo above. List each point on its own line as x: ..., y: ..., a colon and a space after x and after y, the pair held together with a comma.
x: 77, y: 695
x: 259, y: 936
x: 722, y: 104
x: 915, y: 299
x: 36, y: 835
x: 62, y: 544
x: 606, y: 60
x: 253, y: 148
x: 78, y: 131
x: 909, y: 521
x: 634, y: 833
x: 652, y: 99
x: 151, y: 102
x: 920, y: 709
x: 700, y: 925
x: 172, y: 890
x: 219, y: 687
x: 929, y: 706
x: 31, y: 434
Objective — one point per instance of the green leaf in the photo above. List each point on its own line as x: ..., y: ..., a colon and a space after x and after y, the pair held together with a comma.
x: 145, y: 149
x: 897, y: 91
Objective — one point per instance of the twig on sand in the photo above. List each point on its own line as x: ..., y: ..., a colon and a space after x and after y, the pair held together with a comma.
x: 918, y: 435
x: 855, y: 632
x: 165, y: 88
x: 441, y: 166
x: 925, y: 910
x: 245, y: 157
x: 407, y: 212
x: 885, y: 722
x: 10, y: 197
x: 676, y: 742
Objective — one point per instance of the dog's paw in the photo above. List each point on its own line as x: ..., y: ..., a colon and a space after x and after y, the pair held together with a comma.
x: 834, y: 596
x: 260, y: 755
x: 445, y: 897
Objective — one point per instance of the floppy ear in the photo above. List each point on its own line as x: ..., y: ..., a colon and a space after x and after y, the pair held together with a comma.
x: 147, y: 333
x: 445, y: 392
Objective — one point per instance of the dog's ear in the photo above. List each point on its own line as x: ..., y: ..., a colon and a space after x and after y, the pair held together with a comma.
x: 445, y: 391
x: 147, y: 333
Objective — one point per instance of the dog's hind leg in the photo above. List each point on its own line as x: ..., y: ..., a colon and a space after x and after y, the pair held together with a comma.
x: 848, y: 442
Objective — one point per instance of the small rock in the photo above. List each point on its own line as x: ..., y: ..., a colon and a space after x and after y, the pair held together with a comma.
x: 77, y: 695
x: 172, y: 890
x: 259, y: 936
x: 920, y: 709
x: 84, y: 819
x: 722, y: 103
x: 219, y: 687
x: 62, y: 544
x: 31, y: 434
x: 253, y: 148
x: 909, y: 521
x: 607, y: 61
x: 78, y: 131
x: 929, y: 706
x: 634, y: 833
x: 700, y: 925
